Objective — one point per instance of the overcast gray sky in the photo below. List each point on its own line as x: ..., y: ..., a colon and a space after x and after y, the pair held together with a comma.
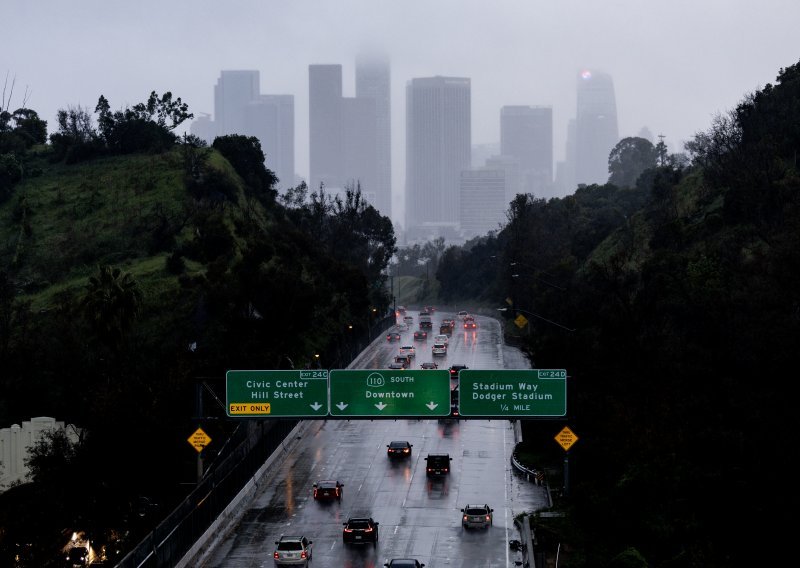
x: 675, y: 63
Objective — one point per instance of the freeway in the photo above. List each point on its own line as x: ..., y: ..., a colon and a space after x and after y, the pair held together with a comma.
x: 419, y: 517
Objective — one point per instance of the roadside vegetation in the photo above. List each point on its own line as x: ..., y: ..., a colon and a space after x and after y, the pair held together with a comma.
x: 136, y: 264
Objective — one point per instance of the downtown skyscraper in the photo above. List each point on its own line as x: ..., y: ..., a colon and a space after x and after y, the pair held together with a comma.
x: 438, y: 148
x: 526, y: 135
x: 240, y: 109
x: 326, y: 156
x: 373, y: 82
x: 596, y: 131
x: 344, y: 144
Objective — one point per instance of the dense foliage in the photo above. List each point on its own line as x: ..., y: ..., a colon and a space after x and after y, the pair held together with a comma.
x: 137, y: 268
x: 683, y: 295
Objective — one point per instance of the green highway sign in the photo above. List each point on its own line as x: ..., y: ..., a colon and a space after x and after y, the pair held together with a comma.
x: 389, y: 393
x: 523, y: 393
x: 276, y: 394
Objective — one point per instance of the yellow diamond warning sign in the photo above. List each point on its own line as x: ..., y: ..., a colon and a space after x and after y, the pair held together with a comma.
x: 566, y: 438
x: 521, y: 321
x: 199, y: 440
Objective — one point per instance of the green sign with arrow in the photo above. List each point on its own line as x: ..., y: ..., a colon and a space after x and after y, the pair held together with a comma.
x: 277, y: 394
x: 388, y: 393
x: 523, y: 393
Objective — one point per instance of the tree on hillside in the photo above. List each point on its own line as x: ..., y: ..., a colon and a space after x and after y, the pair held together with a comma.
x: 111, y: 303
x: 247, y: 158
x: 629, y: 158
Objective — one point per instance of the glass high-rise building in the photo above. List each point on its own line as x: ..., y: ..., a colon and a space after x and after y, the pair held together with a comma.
x: 526, y: 134
x: 373, y: 82
x: 270, y: 118
x: 596, y: 131
x: 438, y: 147
x: 233, y: 91
x: 326, y: 158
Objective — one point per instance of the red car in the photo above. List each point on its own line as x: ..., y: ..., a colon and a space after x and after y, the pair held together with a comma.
x: 470, y: 324
x: 328, y: 490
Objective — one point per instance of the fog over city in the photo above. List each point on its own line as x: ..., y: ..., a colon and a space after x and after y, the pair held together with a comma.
x: 674, y: 64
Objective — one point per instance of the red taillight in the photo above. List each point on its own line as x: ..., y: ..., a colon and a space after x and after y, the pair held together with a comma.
x: 303, y: 554
x: 315, y: 493
x: 466, y: 518
x: 368, y: 529
x: 488, y: 518
x: 275, y: 555
x: 406, y: 450
x: 348, y: 530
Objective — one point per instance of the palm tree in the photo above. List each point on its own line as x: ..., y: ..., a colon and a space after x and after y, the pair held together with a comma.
x: 111, y: 303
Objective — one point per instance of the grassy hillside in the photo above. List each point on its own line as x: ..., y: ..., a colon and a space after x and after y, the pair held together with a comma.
x: 61, y: 224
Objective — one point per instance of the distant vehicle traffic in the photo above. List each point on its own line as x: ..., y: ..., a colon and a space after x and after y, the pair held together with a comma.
x: 292, y: 551
x: 409, y: 350
x: 438, y: 465
x: 360, y: 530
x: 399, y: 449
x: 328, y: 489
x: 429, y: 365
x: 476, y: 516
x: 454, y: 370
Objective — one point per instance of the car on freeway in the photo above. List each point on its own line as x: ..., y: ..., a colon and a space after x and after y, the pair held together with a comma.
x: 439, y: 350
x: 469, y: 323
x: 454, y: 370
x: 420, y: 335
x: 429, y: 365
x: 401, y: 310
x: 441, y: 338
x: 395, y: 366
x: 451, y: 322
x: 402, y: 326
x: 404, y: 563
x: 393, y: 336
x: 360, y: 530
x: 445, y: 329
x: 462, y: 314
x: 328, y: 490
x: 292, y: 551
x: 430, y: 309
x: 454, y: 402
x: 476, y: 516
x: 408, y: 320
x: 425, y: 322
x: 438, y: 465
x: 399, y: 449
x: 409, y: 350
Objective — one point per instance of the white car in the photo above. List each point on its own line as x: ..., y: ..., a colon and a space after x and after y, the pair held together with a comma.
x: 439, y: 349
x: 402, y: 327
x: 409, y: 350
x: 462, y: 314
x: 441, y: 338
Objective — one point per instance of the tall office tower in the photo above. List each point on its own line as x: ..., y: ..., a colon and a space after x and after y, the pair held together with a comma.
x: 511, y: 171
x: 483, y: 201
x: 325, y: 126
x: 596, y: 127
x: 438, y: 143
x: 270, y: 118
x: 204, y: 128
x: 373, y: 82
x: 565, y: 173
x: 526, y: 133
x: 234, y: 89
x: 359, y: 152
